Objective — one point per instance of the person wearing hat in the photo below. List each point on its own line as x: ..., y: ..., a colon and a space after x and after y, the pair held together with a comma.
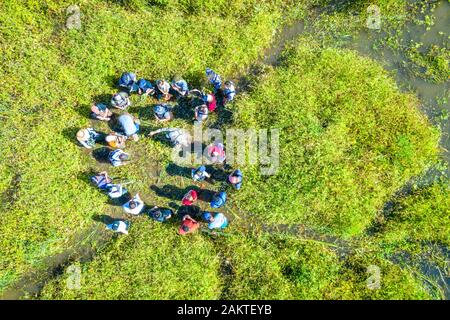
x: 219, y: 200
x: 129, y: 125
x: 235, y: 179
x: 188, y: 225
x: 119, y: 226
x: 116, y: 140
x: 200, y: 174
x: 160, y: 214
x: 134, y: 206
x: 174, y: 135
x: 162, y: 92
x: 214, y: 79
x: 121, y: 100
x: 216, y: 153
x: 100, y: 112
x: 189, y: 198
x: 201, y: 113
x: 128, y: 81
x: 163, y: 112
x: 228, y: 92
x: 118, y: 157
x: 179, y: 87
x: 145, y: 87
x: 210, y: 100
x: 88, y: 137
x: 215, y: 221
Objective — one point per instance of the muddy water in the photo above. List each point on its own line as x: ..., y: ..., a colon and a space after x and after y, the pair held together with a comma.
x: 286, y: 35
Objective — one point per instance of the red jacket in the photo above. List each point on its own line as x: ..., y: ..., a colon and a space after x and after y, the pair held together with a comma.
x: 188, y: 226
x: 187, y: 202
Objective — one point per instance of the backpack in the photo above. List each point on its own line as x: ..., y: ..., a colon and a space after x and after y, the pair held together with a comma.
x: 100, y: 181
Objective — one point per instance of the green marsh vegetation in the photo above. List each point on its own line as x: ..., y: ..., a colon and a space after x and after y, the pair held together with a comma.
x: 349, y: 141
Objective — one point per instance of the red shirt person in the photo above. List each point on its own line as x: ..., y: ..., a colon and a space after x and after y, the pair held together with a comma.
x: 188, y: 225
x: 189, y: 198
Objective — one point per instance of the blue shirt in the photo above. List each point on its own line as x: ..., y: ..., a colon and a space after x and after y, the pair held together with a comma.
x: 114, y: 157
x: 128, y: 126
x: 182, y: 85
x: 219, y: 200
x: 144, y: 85
x: 199, y: 173
x: 238, y: 173
x: 163, y: 215
x: 214, y: 78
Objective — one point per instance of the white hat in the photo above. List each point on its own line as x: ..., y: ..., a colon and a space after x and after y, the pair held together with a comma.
x: 83, y: 135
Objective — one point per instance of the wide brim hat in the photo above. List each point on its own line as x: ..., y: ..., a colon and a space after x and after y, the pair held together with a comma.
x: 83, y: 134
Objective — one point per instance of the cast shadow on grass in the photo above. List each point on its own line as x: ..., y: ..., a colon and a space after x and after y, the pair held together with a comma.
x: 194, y: 211
x: 118, y: 202
x: 158, y: 137
x: 224, y: 117
x: 175, y: 193
x: 103, y: 218
x: 70, y: 134
x: 101, y: 154
x: 176, y: 170
x: 183, y: 110
x: 196, y: 79
x: 143, y: 113
x: 218, y: 174
x: 84, y: 111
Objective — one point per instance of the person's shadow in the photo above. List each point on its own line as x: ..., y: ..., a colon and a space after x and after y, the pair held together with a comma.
x: 194, y: 211
x: 183, y: 110
x: 176, y: 170
x: 174, y: 193
x: 70, y: 134
x: 102, y: 154
x: 144, y: 113
x: 170, y: 192
x: 160, y: 137
x: 105, y: 219
x: 118, y: 202
x: 218, y: 174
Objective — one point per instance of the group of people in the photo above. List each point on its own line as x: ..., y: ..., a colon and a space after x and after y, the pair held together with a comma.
x: 127, y: 127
